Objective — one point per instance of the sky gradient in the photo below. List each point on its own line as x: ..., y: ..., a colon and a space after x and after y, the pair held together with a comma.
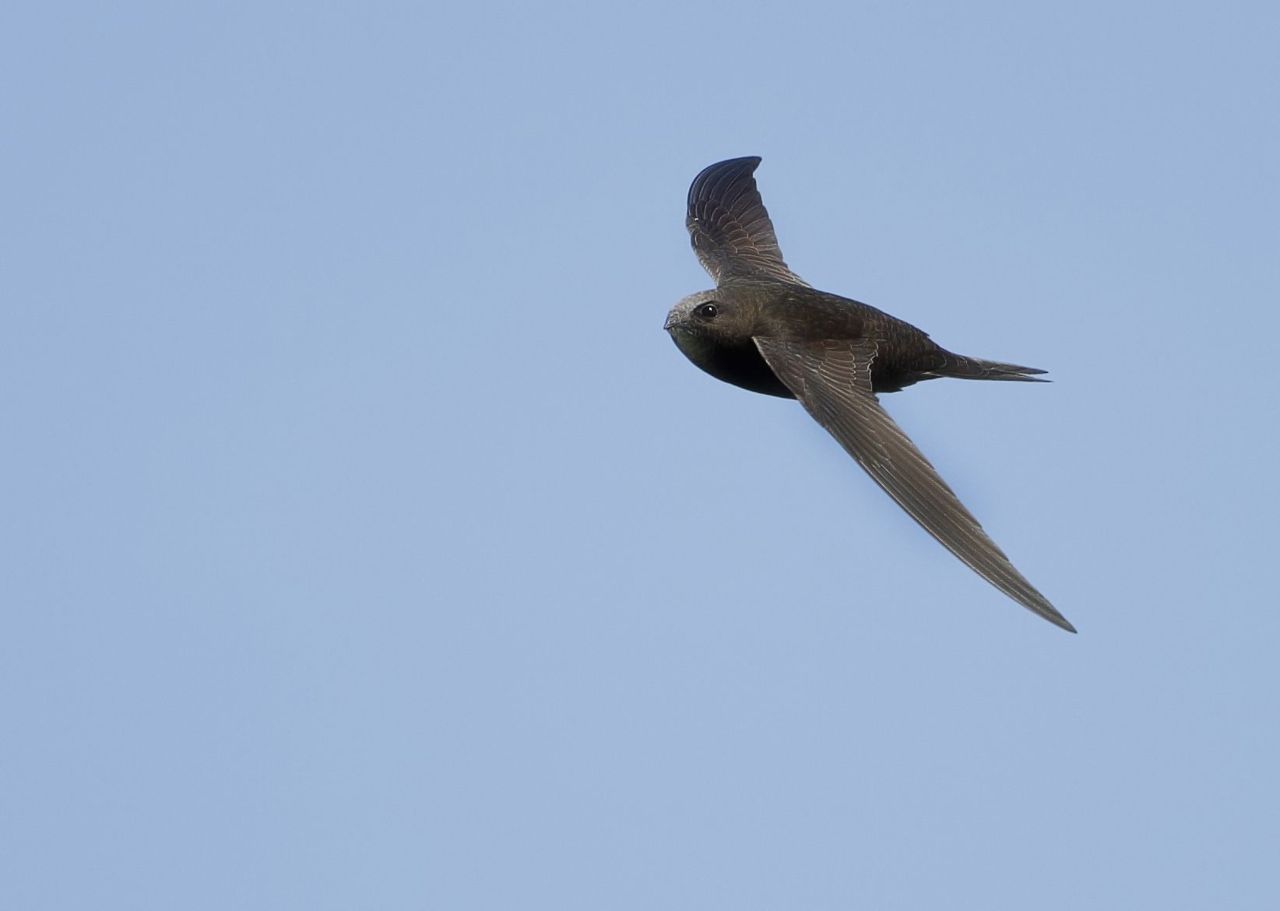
x: 367, y: 544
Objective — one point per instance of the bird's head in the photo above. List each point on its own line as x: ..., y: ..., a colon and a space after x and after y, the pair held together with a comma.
x: 708, y: 315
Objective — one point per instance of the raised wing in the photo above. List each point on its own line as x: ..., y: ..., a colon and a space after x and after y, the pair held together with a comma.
x: 832, y: 379
x: 729, y: 227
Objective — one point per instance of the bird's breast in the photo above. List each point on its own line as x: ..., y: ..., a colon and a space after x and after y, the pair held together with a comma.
x: 738, y: 363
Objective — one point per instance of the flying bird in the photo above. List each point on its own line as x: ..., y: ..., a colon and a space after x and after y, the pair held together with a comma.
x: 764, y: 329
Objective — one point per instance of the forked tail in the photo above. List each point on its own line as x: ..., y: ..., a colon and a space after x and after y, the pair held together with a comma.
x: 972, y: 368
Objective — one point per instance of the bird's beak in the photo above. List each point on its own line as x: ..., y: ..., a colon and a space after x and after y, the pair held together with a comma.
x: 669, y: 323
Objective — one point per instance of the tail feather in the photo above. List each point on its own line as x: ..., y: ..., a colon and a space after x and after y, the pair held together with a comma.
x: 972, y: 368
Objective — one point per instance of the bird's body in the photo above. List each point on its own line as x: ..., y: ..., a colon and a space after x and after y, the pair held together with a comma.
x: 764, y: 329
x: 906, y: 355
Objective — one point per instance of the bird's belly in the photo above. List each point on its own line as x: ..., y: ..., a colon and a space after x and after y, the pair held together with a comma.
x: 740, y: 365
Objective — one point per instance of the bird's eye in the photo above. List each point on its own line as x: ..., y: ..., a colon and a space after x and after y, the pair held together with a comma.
x: 707, y: 310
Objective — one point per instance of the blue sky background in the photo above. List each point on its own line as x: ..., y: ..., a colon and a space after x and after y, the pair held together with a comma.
x: 367, y: 544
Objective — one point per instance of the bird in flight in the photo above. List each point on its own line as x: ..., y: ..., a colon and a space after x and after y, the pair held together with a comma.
x: 764, y: 329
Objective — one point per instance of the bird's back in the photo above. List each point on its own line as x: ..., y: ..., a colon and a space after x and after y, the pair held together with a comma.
x: 905, y: 354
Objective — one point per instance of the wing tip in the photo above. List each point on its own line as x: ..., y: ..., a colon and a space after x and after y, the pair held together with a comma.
x: 1051, y: 614
x: 746, y: 164
x: 1063, y: 623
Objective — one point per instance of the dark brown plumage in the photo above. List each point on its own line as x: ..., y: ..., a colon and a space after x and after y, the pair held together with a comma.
x: 764, y: 329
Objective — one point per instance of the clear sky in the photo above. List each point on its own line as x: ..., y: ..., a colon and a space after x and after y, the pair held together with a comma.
x: 367, y: 544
